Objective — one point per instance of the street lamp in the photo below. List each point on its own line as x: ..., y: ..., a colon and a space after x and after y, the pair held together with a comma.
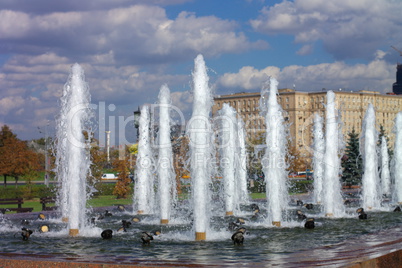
x: 46, y: 179
x: 137, y: 115
x: 46, y: 157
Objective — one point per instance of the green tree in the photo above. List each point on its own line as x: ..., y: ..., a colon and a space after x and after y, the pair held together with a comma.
x: 383, y: 134
x: 352, y: 162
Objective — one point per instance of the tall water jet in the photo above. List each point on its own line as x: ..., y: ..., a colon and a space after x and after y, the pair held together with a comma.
x: 385, y: 172
x: 332, y: 201
x: 397, y: 160
x: 72, y: 157
x: 368, y: 141
x: 228, y: 145
x: 166, y: 174
x: 274, y: 165
x: 241, y: 167
x: 318, y: 157
x: 201, y: 151
x: 144, y: 192
x: 61, y: 154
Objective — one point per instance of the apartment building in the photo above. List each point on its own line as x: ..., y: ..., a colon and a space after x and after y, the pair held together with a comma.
x: 300, y: 107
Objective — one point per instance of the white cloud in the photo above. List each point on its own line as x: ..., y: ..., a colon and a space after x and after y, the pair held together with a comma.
x: 125, y: 54
x: 184, y: 103
x: 305, y: 50
x: 139, y: 34
x: 377, y: 75
x: 248, y: 78
x: 7, y: 104
x: 48, y: 6
x: 348, y: 29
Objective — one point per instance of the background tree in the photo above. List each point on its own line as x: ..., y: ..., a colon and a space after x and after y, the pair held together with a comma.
x: 98, y: 161
x: 254, y: 155
x: 122, y: 188
x: 16, y: 159
x: 180, y: 148
x: 294, y: 159
x: 5, y: 134
x: 352, y: 162
x: 133, y: 149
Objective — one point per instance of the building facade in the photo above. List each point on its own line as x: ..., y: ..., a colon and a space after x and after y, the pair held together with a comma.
x: 300, y: 107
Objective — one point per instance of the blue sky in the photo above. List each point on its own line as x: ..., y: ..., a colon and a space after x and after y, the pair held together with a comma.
x: 130, y: 48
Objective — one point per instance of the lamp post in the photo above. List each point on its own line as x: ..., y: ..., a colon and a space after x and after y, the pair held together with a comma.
x: 46, y: 178
x: 46, y: 156
x: 137, y: 115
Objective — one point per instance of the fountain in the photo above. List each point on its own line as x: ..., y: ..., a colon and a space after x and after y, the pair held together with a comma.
x: 200, y: 134
x: 370, y: 181
x: 397, y: 161
x: 385, y: 173
x: 166, y: 174
x: 144, y: 193
x: 335, y: 241
x: 274, y: 165
x: 332, y: 201
x: 228, y: 144
x: 318, y: 156
x: 72, y: 159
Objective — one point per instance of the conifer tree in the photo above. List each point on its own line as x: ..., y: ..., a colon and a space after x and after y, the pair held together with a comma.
x: 383, y: 134
x: 352, y: 162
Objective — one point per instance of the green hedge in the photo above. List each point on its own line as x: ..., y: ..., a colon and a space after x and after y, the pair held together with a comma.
x: 38, y: 191
x: 295, y: 186
x: 26, y: 192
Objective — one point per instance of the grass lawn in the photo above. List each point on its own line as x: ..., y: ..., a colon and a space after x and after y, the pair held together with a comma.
x: 258, y: 195
x: 108, y: 200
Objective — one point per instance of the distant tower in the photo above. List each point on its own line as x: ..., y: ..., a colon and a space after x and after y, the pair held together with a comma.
x: 397, y: 86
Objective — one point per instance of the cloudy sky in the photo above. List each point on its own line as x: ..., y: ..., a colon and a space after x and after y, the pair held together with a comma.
x: 130, y: 48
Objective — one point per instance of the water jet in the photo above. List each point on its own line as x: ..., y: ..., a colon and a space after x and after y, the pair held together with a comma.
x: 72, y: 163
x: 199, y: 131
x: 165, y: 171
x: 274, y: 164
x: 332, y: 197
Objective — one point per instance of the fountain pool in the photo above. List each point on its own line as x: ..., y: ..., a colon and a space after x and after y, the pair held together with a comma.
x: 288, y: 246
